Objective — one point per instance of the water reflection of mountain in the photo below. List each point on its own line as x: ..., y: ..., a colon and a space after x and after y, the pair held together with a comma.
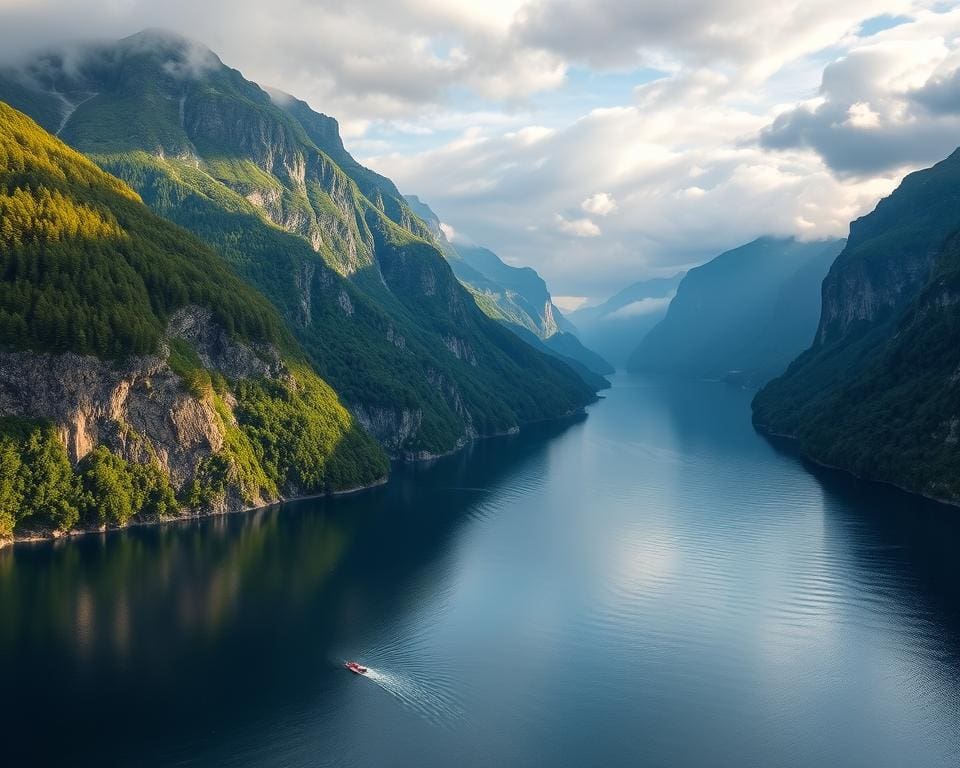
x: 153, y: 631
x: 908, y: 534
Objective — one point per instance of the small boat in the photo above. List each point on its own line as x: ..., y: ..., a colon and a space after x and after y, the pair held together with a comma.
x: 357, y: 669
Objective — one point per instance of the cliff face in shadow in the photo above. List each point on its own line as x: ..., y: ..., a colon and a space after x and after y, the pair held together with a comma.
x: 745, y: 314
x: 876, y: 392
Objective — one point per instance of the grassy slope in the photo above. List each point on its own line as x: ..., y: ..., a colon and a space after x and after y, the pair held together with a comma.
x: 86, y: 267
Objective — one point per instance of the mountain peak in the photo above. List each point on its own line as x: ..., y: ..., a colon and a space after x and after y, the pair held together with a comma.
x: 180, y: 54
x: 156, y: 35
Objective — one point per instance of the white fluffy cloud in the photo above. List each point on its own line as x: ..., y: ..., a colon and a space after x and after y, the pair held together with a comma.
x: 888, y: 102
x: 755, y: 39
x: 362, y: 60
x: 599, y: 204
x: 685, y: 190
x: 702, y: 160
x: 576, y: 227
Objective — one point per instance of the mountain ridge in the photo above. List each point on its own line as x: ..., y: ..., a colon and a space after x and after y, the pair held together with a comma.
x: 744, y: 314
x: 616, y: 326
x: 518, y: 297
x: 359, y: 281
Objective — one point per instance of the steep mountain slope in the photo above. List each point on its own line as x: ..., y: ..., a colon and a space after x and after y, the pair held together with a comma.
x: 615, y: 327
x: 358, y: 278
x: 515, y: 296
x: 877, y: 391
x: 745, y: 314
x: 324, y: 131
x: 138, y: 376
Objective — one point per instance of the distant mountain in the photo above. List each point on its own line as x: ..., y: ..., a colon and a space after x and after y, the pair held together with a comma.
x: 877, y: 391
x: 353, y: 271
x: 743, y: 315
x: 139, y: 377
x: 615, y: 327
x: 516, y: 296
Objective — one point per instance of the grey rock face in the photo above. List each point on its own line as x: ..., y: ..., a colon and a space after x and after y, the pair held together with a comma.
x: 140, y: 408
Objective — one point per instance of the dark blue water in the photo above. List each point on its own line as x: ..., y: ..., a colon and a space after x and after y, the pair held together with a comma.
x: 654, y: 584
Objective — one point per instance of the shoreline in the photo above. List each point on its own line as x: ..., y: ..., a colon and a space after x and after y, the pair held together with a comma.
x: 794, y: 441
x: 56, y: 536
x: 52, y: 537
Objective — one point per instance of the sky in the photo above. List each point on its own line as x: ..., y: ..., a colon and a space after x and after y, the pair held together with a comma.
x: 599, y: 141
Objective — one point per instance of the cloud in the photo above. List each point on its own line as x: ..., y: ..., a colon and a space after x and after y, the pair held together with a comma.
x: 576, y: 227
x: 536, y: 127
x: 754, y: 38
x: 941, y: 93
x: 367, y: 60
x: 890, y: 102
x: 599, y: 204
x: 689, y: 181
x: 861, y: 115
x: 570, y: 303
x: 639, y: 308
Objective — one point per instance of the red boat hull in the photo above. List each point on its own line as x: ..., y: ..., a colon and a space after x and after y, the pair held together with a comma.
x: 357, y: 669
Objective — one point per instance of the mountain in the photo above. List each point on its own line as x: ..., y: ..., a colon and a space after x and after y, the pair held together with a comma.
x: 745, y: 314
x: 139, y: 377
x: 355, y: 274
x: 516, y: 296
x: 876, y: 393
x: 616, y: 326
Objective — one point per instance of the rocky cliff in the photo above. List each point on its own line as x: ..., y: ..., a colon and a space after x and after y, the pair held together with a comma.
x: 207, y: 440
x: 140, y: 408
x: 877, y: 391
x: 517, y: 297
x: 139, y: 378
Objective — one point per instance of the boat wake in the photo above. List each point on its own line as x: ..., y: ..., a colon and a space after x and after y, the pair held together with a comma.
x: 433, y: 697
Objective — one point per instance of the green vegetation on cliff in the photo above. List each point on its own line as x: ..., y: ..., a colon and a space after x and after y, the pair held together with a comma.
x: 85, y: 267
x: 40, y: 490
x: 518, y: 298
x: 876, y: 393
x: 88, y: 269
x: 353, y: 272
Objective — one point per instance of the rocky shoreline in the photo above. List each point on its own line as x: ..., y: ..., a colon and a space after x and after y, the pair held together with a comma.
x: 52, y: 536
x: 38, y: 536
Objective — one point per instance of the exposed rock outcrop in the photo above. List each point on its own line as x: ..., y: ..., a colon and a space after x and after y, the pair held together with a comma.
x: 140, y: 409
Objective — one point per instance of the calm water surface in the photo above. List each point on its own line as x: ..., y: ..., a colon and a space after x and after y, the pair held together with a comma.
x: 653, y: 585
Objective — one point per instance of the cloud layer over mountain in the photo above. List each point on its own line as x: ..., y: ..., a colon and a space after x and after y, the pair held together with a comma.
x: 600, y: 141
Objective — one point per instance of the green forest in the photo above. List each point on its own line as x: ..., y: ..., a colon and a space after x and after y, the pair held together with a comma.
x: 87, y: 268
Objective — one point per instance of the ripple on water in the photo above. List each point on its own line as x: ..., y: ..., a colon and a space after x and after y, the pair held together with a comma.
x: 428, y: 688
